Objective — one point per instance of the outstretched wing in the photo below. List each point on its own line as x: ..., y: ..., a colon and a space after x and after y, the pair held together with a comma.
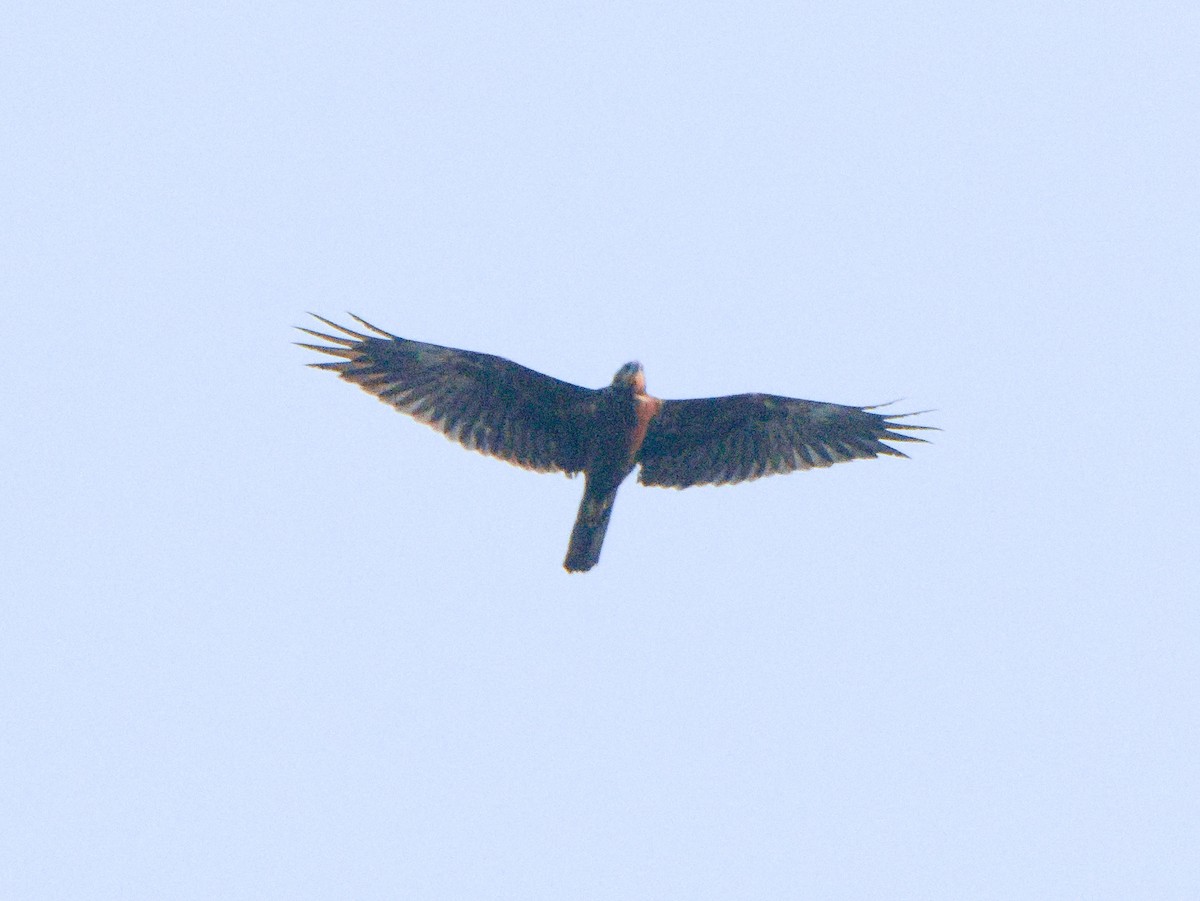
x: 485, y: 403
x: 722, y: 440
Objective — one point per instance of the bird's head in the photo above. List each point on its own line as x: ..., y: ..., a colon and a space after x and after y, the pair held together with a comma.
x: 631, y: 376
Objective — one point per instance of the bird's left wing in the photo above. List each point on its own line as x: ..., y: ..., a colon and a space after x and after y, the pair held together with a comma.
x: 722, y: 440
x: 484, y: 402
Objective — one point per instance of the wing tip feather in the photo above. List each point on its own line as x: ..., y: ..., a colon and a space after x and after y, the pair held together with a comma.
x: 345, y: 352
x: 376, y: 329
x: 347, y: 342
x: 340, y: 328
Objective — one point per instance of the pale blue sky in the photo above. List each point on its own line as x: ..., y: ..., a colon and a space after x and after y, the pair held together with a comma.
x: 264, y: 638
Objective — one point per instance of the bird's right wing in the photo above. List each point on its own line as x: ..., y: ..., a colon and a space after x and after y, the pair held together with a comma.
x: 484, y: 402
x: 722, y: 440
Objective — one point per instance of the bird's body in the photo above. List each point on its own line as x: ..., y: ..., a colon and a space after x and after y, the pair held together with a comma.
x: 623, y: 412
x: 500, y: 408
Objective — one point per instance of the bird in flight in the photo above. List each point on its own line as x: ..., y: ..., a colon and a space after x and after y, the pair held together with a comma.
x: 500, y: 408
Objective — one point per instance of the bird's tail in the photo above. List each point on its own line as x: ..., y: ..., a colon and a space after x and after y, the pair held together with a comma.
x: 590, y: 525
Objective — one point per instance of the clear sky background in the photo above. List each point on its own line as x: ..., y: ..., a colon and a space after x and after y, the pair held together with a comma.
x: 262, y: 637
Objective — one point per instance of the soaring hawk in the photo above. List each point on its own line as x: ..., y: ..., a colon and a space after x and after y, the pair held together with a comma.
x: 497, y: 407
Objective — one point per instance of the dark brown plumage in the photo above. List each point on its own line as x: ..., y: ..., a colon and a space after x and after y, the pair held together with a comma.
x: 499, y: 408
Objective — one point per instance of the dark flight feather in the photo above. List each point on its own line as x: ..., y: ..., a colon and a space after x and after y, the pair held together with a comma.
x: 724, y: 440
x: 484, y: 402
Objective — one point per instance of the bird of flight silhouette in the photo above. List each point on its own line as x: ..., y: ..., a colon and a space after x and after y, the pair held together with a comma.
x: 500, y: 408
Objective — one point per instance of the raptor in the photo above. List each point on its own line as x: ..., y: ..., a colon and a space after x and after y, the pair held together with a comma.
x: 500, y: 408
